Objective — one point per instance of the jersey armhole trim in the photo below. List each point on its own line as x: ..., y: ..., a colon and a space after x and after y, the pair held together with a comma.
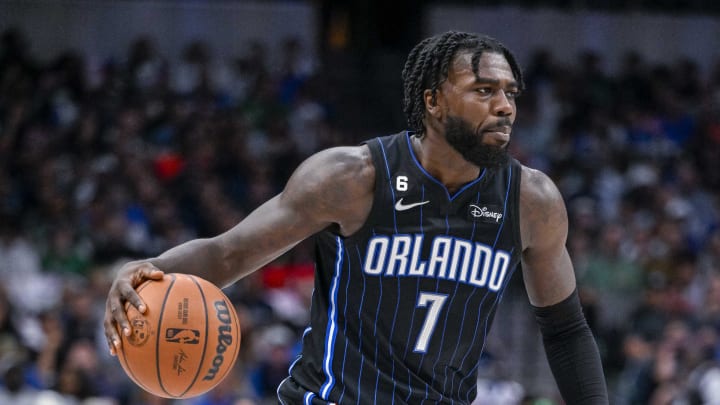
x: 382, y: 172
x: 515, y: 204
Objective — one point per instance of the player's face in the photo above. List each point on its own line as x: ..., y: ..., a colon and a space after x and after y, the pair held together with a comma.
x: 480, y: 109
x: 464, y: 139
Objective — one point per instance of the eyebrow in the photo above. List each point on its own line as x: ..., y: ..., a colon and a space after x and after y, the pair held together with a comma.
x: 495, y: 82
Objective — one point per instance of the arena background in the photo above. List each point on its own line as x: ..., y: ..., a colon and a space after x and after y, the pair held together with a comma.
x: 127, y: 127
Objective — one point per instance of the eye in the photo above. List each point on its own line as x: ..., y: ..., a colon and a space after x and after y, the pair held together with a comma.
x: 484, y: 90
x: 512, y: 94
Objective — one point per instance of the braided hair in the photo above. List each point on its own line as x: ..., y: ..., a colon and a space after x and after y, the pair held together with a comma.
x: 428, y: 63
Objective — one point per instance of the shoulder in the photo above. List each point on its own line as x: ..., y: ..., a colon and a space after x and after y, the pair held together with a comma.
x: 335, y: 185
x: 536, y: 187
x: 336, y: 165
x: 542, y: 208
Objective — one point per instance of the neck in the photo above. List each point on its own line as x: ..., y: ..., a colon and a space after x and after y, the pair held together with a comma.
x: 442, y: 161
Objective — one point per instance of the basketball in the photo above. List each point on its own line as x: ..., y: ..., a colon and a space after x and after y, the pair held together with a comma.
x: 186, y: 342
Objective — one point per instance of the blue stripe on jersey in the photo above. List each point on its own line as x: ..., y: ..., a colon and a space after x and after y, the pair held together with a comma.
x: 457, y: 345
x: 430, y: 176
x: 507, y: 193
x: 447, y: 223
x: 407, y: 345
x: 331, y: 333
x: 442, y: 338
x: 412, y: 318
x: 457, y: 193
x: 377, y: 315
x: 307, y: 399
x: 422, y: 231
x: 444, y: 328
x: 345, y: 316
x: 462, y: 322
x: 472, y: 235
x: 278, y: 390
x: 502, y: 224
x: 477, y: 324
x: 293, y: 363
x: 500, y: 228
x: 362, y: 301
x: 305, y: 332
x: 389, y: 179
x: 392, y: 193
x: 495, y: 303
x: 392, y: 331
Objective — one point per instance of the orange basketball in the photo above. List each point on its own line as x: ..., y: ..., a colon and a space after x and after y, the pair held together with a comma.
x: 186, y: 342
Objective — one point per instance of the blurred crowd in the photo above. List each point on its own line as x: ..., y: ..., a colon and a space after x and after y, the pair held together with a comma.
x: 103, y: 161
x: 636, y: 154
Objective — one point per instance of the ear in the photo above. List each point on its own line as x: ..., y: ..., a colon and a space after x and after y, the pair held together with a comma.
x: 433, y: 103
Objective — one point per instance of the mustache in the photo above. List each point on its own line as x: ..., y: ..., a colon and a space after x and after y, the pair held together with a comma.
x: 499, y: 125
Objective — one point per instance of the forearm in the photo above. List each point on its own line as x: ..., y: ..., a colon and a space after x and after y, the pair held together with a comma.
x: 204, y: 258
x: 572, y: 352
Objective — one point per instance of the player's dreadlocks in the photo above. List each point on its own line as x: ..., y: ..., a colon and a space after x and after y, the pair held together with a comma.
x: 428, y: 63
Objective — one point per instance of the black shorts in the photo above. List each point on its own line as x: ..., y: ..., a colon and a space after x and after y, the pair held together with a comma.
x: 291, y: 393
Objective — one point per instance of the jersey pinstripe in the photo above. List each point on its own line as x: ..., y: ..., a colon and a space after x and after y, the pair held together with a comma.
x: 401, y: 309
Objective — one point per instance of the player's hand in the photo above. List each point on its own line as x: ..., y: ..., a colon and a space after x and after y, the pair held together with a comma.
x: 129, y: 277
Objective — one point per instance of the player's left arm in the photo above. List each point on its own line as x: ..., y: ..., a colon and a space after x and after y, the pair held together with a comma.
x: 550, y: 283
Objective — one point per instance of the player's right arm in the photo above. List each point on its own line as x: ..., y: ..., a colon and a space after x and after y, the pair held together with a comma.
x: 332, y: 188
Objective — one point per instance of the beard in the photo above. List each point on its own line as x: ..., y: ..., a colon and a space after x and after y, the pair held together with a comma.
x: 462, y: 138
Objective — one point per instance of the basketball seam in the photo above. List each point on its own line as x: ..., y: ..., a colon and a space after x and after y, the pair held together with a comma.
x: 157, y: 341
x: 202, y: 356
x: 124, y: 356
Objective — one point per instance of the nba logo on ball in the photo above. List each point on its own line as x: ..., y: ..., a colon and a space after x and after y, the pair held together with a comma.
x: 185, y: 336
x: 198, y: 343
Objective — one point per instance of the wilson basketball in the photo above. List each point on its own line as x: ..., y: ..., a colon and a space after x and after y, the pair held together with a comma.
x: 186, y: 342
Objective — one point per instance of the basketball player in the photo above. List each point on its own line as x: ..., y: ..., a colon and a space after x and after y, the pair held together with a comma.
x: 418, y: 234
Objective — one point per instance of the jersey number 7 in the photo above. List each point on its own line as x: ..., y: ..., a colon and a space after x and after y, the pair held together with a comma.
x: 435, y: 303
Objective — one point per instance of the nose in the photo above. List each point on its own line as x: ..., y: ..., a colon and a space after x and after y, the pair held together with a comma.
x: 502, y: 107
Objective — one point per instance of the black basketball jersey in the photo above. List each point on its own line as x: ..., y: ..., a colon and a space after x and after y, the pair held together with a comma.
x: 401, y: 309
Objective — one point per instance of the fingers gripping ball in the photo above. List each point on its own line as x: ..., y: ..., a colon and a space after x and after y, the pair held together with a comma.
x: 186, y: 342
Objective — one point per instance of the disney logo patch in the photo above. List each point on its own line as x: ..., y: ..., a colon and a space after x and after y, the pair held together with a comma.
x: 487, y: 213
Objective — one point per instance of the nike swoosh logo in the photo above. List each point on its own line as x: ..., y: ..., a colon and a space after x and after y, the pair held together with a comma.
x: 399, y: 206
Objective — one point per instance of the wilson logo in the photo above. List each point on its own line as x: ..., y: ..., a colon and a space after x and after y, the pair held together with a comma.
x: 224, y: 339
